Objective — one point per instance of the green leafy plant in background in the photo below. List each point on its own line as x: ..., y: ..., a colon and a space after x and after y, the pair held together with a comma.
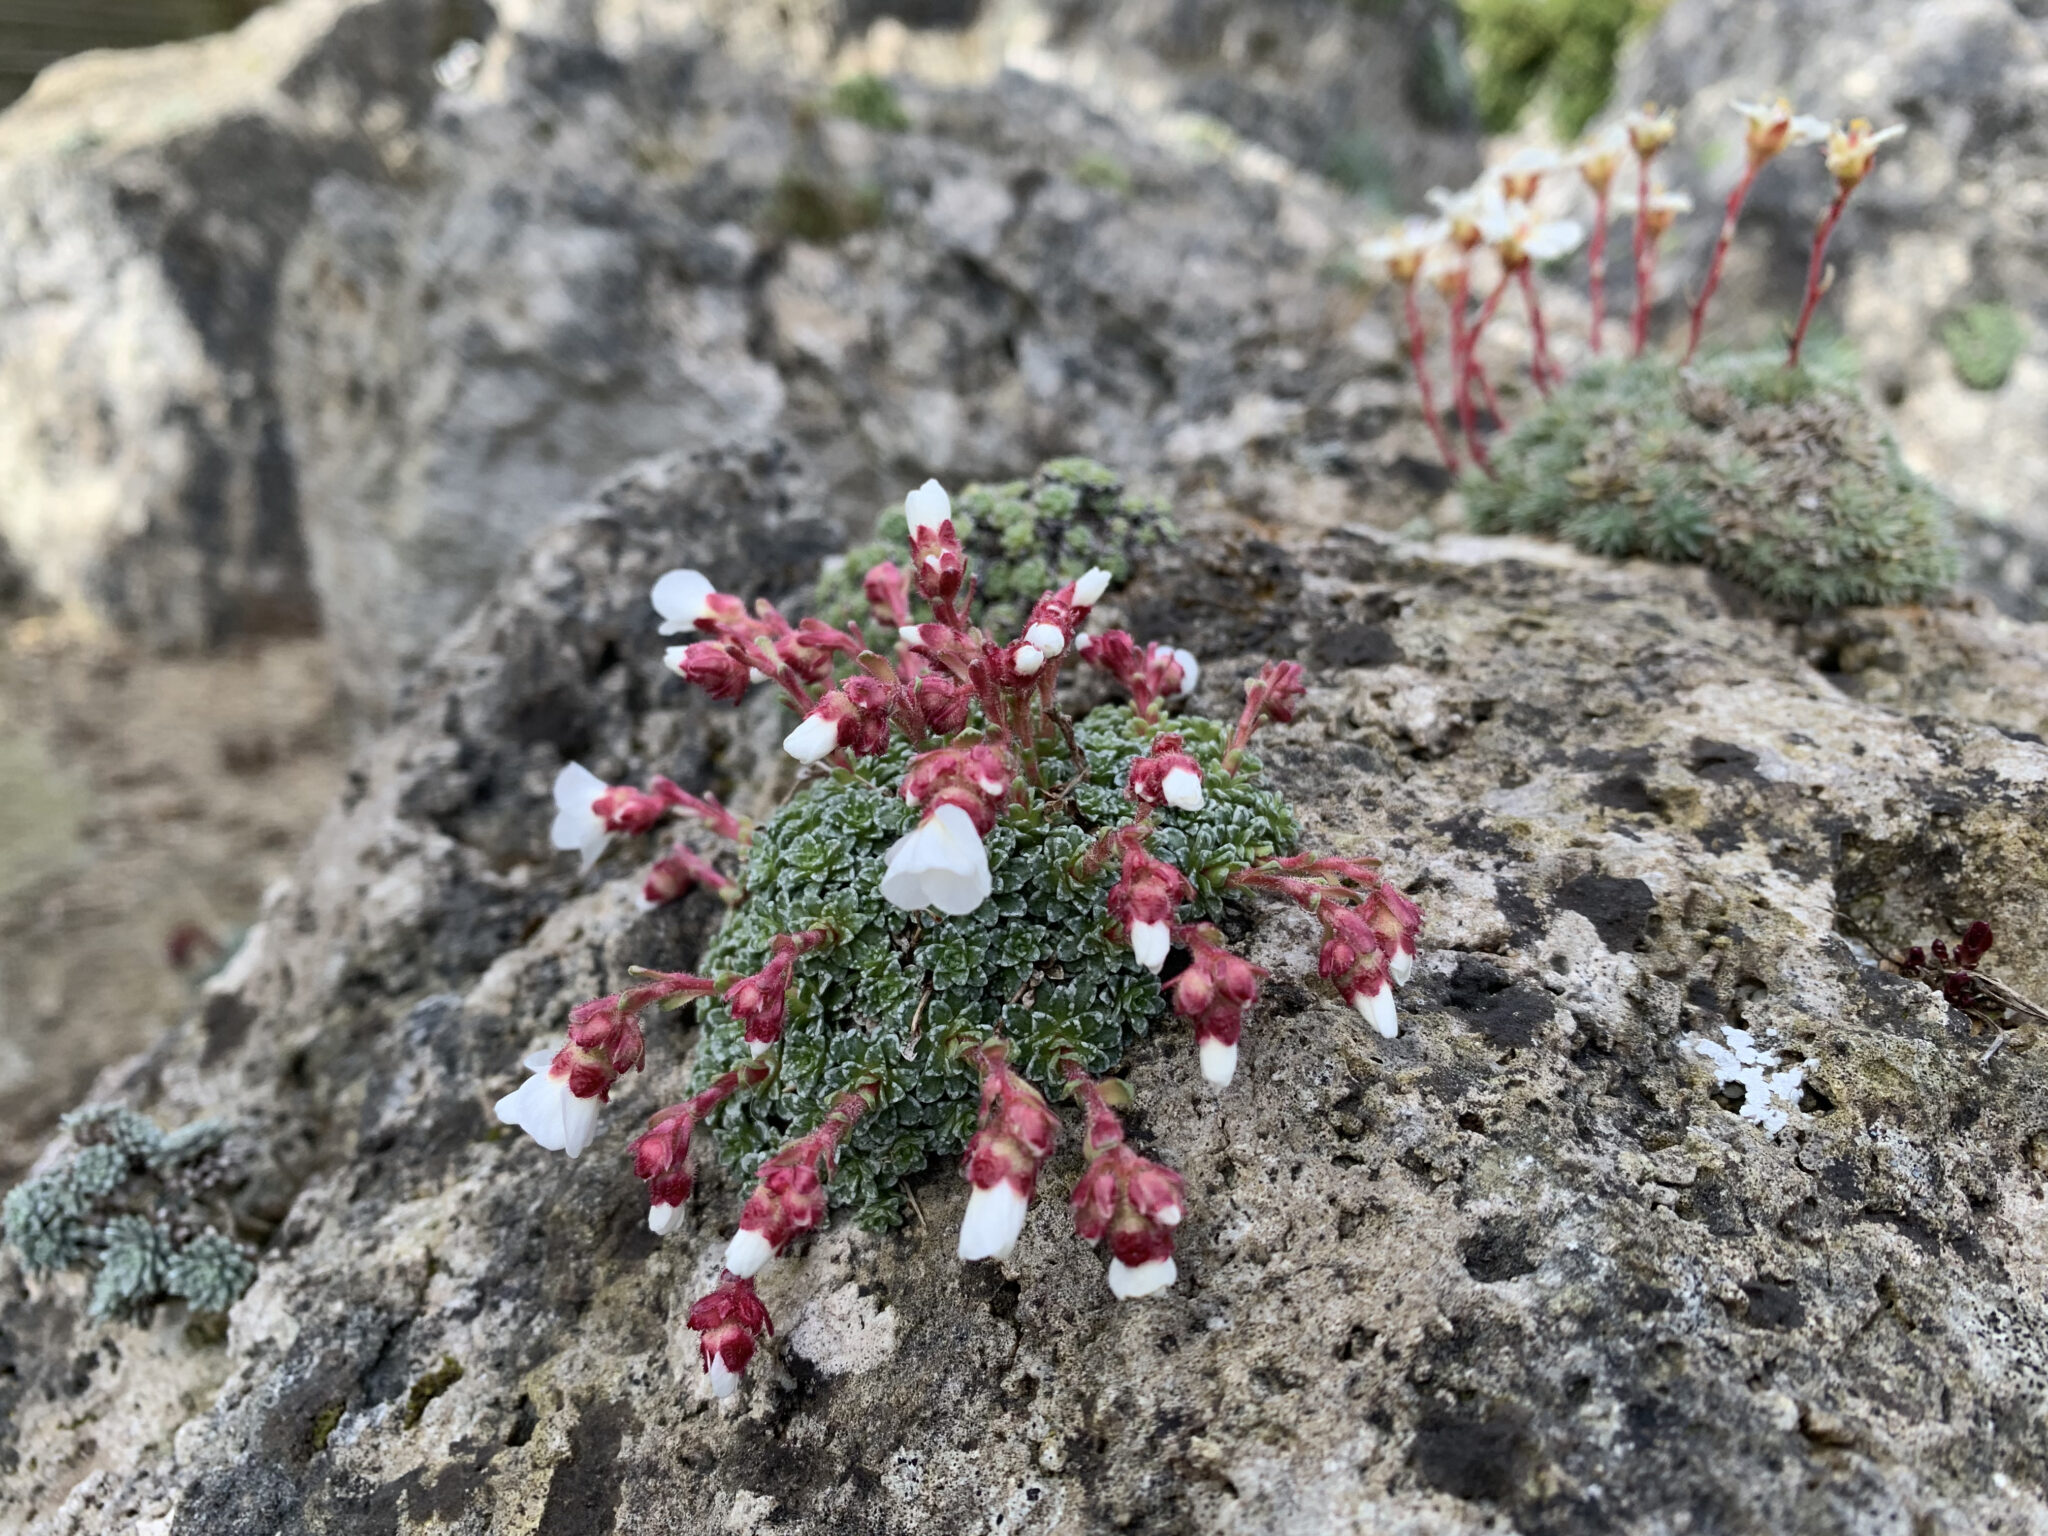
x: 868, y: 99
x: 140, y: 1208
x: 1780, y: 478
x: 1562, y: 50
x: 1983, y: 342
x: 1023, y: 536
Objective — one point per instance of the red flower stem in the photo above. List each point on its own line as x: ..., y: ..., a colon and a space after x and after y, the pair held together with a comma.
x: 1734, y: 211
x: 1461, y: 373
x: 1541, y: 369
x: 713, y: 1094
x: 1816, y: 271
x: 1645, y: 255
x: 1418, y: 355
x: 1596, y: 263
x: 820, y: 1146
x: 1104, y: 1129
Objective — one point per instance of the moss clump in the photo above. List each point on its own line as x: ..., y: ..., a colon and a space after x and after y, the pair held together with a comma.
x: 819, y: 211
x: 430, y: 1386
x: 1022, y: 537
x: 893, y: 999
x: 868, y: 99
x: 1780, y: 478
x: 137, y: 1207
x: 1562, y: 49
x: 1983, y: 342
x: 1103, y: 172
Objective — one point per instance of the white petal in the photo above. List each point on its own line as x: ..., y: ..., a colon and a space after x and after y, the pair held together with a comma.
x: 942, y: 864
x: 814, y: 739
x: 662, y: 1218
x: 536, y: 1107
x: 1401, y: 967
x: 1127, y: 1283
x: 1377, y: 1009
x: 579, y: 1121
x: 993, y: 1220
x: 1082, y: 642
x: 1168, y: 1216
x: 1089, y: 589
x: 1028, y: 660
x: 679, y: 598
x: 1219, y: 1062
x: 747, y: 1252
x: 1546, y: 242
x: 910, y: 634
x: 927, y: 507
x: 757, y: 1048
x: 1150, y: 942
x: 575, y: 788
x: 1047, y: 638
x: 1190, y: 671
x: 542, y: 1059
x: 642, y: 904
x: 1182, y: 789
x: 723, y: 1382
x: 1807, y: 130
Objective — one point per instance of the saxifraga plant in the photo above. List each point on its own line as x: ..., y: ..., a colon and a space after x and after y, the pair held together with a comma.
x: 1022, y: 537
x: 966, y: 906
x: 137, y: 1207
x: 1774, y: 473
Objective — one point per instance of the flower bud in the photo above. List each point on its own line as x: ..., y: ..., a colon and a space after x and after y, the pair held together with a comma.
x: 713, y: 667
x: 1089, y: 589
x: 1002, y: 1162
x: 789, y: 1199
x: 1167, y: 776
x: 887, y: 590
x: 1136, y: 1204
x: 731, y: 1321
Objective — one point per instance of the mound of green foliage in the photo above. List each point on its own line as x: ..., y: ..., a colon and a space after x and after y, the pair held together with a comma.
x: 1022, y: 537
x: 1780, y: 478
x: 894, y: 998
x: 138, y: 1207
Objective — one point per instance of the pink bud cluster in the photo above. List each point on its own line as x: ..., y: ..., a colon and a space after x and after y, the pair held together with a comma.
x: 1214, y: 992
x: 1144, y: 900
x: 730, y: 1321
x: 1016, y: 1136
x: 1167, y: 776
x: 1132, y: 1201
x: 1151, y: 676
x: 760, y: 1002
x: 789, y: 1198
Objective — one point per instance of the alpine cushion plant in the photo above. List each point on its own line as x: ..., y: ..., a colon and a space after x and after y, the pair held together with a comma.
x: 1768, y: 469
x: 967, y: 908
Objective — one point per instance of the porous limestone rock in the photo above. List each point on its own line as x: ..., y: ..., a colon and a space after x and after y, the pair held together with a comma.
x: 1529, y: 1266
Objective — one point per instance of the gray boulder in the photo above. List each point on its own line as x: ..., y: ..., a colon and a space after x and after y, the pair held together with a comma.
x: 146, y: 202
x: 1667, y: 1210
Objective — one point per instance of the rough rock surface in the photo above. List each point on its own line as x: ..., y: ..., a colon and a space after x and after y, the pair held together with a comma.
x: 146, y: 201
x: 1956, y: 215
x: 1534, y: 1265
x: 600, y: 250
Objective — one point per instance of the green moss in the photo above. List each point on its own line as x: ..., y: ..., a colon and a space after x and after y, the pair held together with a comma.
x: 868, y: 99
x: 1560, y: 50
x: 818, y: 211
x: 1780, y: 478
x: 323, y: 1425
x: 1022, y: 537
x: 1105, y: 173
x: 430, y: 1386
x: 1983, y: 342
x: 894, y: 997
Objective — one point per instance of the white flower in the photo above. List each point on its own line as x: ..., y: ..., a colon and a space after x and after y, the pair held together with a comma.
x: 746, y: 1253
x: 1150, y: 942
x: 662, y: 1218
x: 1219, y: 1062
x: 1377, y: 1009
x: 1047, y: 638
x: 942, y: 864
x: 1774, y: 125
x: 723, y: 1382
x: 927, y: 507
x: 1028, y: 660
x: 1182, y: 789
x: 679, y: 598
x: 993, y: 1220
x: 1126, y: 1283
x: 1514, y: 231
x: 1082, y: 642
x: 1403, y: 251
x: 1089, y: 589
x: 1401, y: 967
x: 546, y: 1110
x: 1190, y: 671
x: 577, y: 827
x: 814, y: 739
